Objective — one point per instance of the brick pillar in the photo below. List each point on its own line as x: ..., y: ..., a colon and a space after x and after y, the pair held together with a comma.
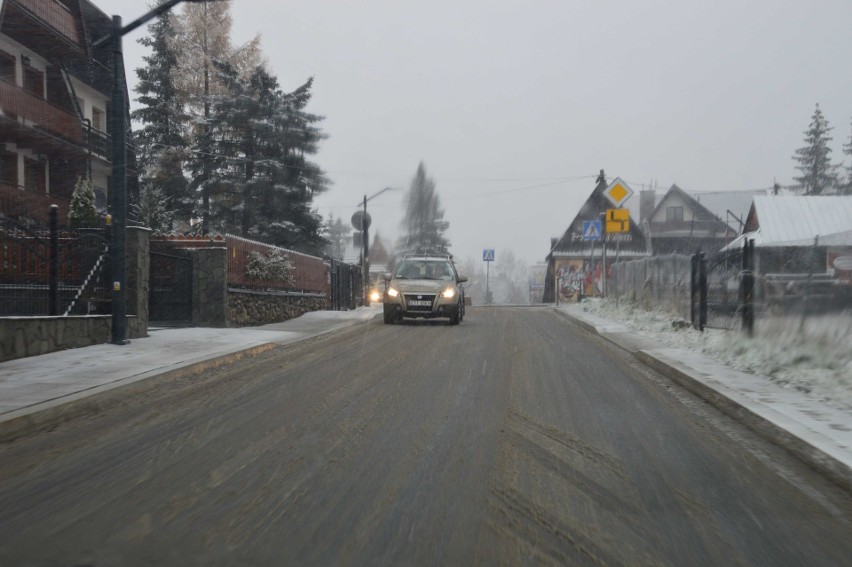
x: 138, y: 280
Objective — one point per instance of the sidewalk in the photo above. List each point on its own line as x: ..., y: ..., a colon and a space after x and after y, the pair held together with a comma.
x: 40, y: 391
x: 816, y: 433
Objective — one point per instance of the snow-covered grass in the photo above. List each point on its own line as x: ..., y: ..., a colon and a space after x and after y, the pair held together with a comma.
x: 814, y: 356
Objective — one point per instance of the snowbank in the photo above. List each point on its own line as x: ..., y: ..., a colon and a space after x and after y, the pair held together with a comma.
x: 813, y: 356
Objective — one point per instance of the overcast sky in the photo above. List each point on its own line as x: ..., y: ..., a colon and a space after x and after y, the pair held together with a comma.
x: 515, y: 106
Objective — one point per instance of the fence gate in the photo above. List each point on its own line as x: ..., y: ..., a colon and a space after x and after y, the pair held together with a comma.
x: 170, y: 292
x: 723, y: 289
x: 343, y: 285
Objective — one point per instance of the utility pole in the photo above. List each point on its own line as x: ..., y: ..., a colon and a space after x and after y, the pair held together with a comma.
x: 118, y: 191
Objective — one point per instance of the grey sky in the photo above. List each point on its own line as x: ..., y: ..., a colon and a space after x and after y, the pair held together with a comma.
x: 495, y: 97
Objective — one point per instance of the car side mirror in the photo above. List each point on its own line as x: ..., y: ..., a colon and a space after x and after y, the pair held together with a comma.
x: 462, y: 279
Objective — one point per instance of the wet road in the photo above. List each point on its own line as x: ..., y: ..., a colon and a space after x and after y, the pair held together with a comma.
x: 512, y: 439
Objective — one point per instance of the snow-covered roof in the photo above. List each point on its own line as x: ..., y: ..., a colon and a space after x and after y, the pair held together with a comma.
x: 796, y: 220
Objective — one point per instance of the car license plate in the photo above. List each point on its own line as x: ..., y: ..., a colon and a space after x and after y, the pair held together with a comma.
x: 416, y: 303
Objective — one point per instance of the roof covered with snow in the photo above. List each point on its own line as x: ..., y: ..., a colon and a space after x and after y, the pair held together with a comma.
x: 796, y: 220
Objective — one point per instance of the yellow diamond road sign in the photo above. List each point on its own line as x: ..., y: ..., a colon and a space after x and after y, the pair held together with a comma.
x: 618, y: 192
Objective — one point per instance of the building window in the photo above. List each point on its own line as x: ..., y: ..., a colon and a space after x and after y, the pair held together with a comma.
x: 98, y: 119
x: 7, y: 67
x: 674, y: 213
x: 8, y: 168
x: 34, y: 178
x: 34, y: 81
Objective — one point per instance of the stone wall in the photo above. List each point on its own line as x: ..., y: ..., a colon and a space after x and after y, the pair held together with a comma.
x: 247, y: 308
x: 31, y: 336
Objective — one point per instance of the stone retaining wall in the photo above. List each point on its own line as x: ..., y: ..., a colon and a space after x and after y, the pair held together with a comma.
x: 247, y: 308
x: 31, y: 336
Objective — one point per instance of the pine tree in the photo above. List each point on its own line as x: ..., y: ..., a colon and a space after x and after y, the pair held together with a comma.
x: 161, y: 145
x: 336, y: 232
x: 152, y: 209
x: 818, y: 174
x: 202, y: 38
x: 265, y: 183
x: 847, y: 149
x: 423, y: 225
x: 82, y: 211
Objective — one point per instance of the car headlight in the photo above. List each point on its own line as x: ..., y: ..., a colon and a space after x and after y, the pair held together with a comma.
x: 392, y: 292
x: 449, y: 293
x: 375, y: 296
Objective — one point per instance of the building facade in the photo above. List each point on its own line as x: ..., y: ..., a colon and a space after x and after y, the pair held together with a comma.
x: 55, y: 91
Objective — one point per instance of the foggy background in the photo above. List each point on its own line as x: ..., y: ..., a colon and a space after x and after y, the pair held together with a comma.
x: 514, y: 107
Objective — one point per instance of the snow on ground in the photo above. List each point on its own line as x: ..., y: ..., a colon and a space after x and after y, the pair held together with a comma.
x: 814, y: 356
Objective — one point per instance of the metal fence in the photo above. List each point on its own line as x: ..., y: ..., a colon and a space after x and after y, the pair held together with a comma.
x: 48, y: 272
x: 660, y: 282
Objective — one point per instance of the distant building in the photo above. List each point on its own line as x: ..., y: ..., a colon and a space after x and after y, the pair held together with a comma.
x: 800, y: 234
x: 54, y: 106
x: 578, y: 262
x: 681, y: 224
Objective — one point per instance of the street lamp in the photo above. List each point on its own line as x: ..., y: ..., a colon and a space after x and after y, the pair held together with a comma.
x: 365, y: 245
x: 118, y: 130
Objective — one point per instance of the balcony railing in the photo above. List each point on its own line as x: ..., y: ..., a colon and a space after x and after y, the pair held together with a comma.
x: 54, y: 15
x: 38, y: 112
x: 99, y: 143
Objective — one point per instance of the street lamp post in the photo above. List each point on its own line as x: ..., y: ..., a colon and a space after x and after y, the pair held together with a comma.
x: 365, y: 242
x: 118, y: 131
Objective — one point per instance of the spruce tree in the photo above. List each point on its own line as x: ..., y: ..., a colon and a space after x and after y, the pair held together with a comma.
x: 82, y: 212
x: 847, y: 149
x: 423, y: 225
x: 265, y: 183
x: 161, y: 145
x: 818, y: 175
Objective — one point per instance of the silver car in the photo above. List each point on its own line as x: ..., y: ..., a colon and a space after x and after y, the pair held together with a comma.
x: 424, y: 286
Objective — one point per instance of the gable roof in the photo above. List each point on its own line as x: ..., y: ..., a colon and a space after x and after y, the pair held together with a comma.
x: 796, y: 220
x: 572, y: 244
x: 701, y: 214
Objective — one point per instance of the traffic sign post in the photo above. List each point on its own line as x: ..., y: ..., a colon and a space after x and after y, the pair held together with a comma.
x: 618, y: 192
x: 487, y: 257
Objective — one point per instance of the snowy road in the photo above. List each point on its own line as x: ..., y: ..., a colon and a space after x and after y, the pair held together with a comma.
x: 512, y: 439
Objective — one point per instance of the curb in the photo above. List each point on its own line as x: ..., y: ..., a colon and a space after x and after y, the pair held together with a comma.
x: 47, y: 415
x: 765, y: 423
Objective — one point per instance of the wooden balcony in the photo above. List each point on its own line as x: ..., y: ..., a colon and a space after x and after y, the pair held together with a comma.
x: 39, y: 113
x: 29, y: 206
x: 53, y: 15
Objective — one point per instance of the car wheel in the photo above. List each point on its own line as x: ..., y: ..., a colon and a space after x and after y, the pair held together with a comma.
x: 455, y: 318
x: 389, y: 316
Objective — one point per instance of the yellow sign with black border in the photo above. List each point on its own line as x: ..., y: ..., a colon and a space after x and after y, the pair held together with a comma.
x: 617, y: 220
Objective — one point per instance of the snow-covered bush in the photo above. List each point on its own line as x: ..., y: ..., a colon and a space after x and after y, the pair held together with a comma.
x: 82, y: 211
x: 270, y: 268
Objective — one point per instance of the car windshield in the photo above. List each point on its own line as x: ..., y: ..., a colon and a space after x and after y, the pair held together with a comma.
x: 424, y: 270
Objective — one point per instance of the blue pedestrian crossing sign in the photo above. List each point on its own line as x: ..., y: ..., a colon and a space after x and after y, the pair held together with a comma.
x: 488, y: 255
x: 592, y: 230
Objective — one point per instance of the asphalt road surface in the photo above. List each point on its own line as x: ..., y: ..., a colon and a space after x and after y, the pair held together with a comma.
x: 514, y: 438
